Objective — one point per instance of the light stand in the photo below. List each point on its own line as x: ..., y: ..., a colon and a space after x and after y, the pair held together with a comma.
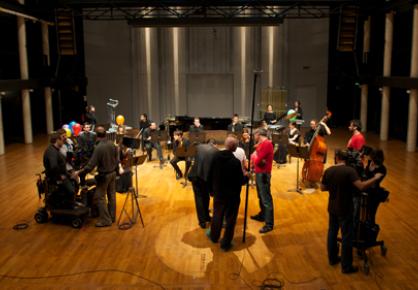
x: 112, y: 104
x: 247, y: 189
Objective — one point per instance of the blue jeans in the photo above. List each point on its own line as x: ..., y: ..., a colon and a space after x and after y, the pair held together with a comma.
x: 264, y: 197
x: 346, y: 225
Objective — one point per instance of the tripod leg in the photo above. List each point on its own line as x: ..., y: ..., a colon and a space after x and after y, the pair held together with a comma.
x: 124, y: 210
x: 139, y: 212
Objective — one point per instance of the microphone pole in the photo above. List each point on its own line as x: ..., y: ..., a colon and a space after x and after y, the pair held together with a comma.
x: 247, y: 189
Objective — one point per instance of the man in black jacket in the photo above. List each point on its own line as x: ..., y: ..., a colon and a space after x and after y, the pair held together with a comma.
x: 105, y: 157
x: 235, y: 127
x: 56, y: 172
x: 180, y: 142
x: 227, y: 179
x: 150, y: 143
x: 342, y: 181
x: 199, y: 176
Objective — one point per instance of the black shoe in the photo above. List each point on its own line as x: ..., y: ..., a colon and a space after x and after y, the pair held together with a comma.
x: 351, y: 270
x: 209, y: 237
x: 265, y: 229
x: 335, y: 262
x: 178, y: 176
x: 202, y: 225
x: 257, y: 217
x: 101, y: 225
x: 227, y: 247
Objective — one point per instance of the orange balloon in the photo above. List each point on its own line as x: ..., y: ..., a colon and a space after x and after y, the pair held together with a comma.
x: 120, y: 120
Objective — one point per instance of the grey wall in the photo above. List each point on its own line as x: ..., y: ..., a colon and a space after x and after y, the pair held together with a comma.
x: 307, y: 64
x: 210, y: 81
x: 109, y: 66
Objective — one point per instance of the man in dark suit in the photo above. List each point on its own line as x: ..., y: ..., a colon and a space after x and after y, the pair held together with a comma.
x: 150, y: 143
x: 235, y: 127
x: 227, y: 179
x: 180, y: 142
x: 196, y: 127
x: 199, y: 176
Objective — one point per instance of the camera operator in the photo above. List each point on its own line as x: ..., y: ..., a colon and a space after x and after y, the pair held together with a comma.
x: 342, y: 181
x: 105, y: 157
x: 56, y: 171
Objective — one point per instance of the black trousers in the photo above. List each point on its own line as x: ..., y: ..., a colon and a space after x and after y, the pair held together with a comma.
x: 346, y: 225
x: 201, y: 198
x: 228, y: 209
x: 176, y: 160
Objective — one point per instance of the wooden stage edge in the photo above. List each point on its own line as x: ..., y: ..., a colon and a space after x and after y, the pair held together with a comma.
x: 172, y: 252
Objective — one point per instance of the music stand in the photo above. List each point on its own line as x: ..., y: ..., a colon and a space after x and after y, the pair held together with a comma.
x: 197, y: 137
x: 133, y: 196
x: 297, y: 152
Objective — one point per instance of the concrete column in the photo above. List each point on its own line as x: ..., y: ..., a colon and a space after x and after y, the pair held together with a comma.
x: 365, y: 87
x: 366, y: 39
x: 363, y: 109
x: 384, y: 118
x: 1, y: 129
x: 243, y: 66
x: 148, y: 68
x: 47, y: 90
x: 411, y: 142
x: 176, y: 70
x: 24, y: 74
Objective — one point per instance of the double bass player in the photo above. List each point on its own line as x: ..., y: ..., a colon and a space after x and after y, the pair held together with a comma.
x: 313, y: 167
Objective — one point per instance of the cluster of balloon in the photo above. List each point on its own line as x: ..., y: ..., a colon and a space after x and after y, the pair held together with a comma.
x: 72, y: 128
x: 120, y: 120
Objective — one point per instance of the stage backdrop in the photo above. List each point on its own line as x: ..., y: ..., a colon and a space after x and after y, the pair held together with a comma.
x: 203, y: 71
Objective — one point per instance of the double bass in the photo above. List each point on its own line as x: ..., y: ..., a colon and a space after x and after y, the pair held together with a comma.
x: 314, y: 166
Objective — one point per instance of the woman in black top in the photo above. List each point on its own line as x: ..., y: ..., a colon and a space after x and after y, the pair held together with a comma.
x: 244, y: 143
x: 270, y: 116
x: 376, y: 193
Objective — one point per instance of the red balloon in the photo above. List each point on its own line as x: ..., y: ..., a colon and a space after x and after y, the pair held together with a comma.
x: 76, y: 129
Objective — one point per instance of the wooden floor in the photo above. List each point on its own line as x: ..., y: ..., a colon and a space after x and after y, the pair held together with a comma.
x: 172, y: 252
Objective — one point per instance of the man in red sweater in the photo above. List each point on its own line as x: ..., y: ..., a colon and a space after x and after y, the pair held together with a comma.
x: 356, y: 141
x: 263, y: 160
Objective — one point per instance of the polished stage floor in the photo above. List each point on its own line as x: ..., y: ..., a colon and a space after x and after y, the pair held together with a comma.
x: 172, y: 252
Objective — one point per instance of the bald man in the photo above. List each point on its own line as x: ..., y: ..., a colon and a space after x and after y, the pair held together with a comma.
x: 227, y: 178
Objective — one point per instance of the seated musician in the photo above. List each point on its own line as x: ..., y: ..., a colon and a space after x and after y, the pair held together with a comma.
x: 180, y: 142
x: 323, y: 131
x: 293, y: 134
x: 124, y: 178
x: 235, y: 127
x: 150, y: 143
x: 57, y: 174
x: 270, y: 116
x: 196, y: 127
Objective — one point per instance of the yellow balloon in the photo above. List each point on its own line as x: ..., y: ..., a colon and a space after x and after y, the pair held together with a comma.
x: 68, y: 132
x: 120, y: 120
